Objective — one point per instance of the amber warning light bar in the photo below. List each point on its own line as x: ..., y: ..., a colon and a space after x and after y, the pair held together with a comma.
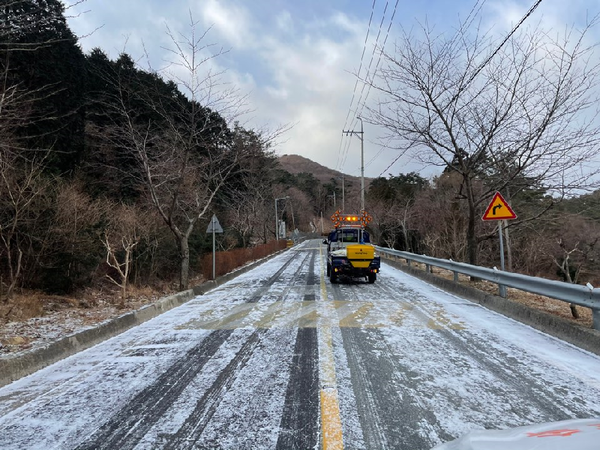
x: 351, y: 220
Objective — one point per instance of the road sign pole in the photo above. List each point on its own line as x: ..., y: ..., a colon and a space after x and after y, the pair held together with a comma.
x: 214, y: 227
x: 214, y: 258
x: 502, y: 288
x: 276, y: 223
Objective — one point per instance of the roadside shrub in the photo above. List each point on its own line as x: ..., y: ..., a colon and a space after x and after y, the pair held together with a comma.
x: 226, y: 262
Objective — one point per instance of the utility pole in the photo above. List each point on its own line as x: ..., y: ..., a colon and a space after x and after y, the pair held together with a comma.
x: 361, y: 136
x: 343, y: 195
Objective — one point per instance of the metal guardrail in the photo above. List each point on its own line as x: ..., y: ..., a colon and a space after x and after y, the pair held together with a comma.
x: 586, y: 296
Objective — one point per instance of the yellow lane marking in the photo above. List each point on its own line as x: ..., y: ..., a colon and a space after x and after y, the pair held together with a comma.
x: 308, y: 320
x: 306, y: 314
x: 274, y: 313
x: 236, y: 314
x: 331, y: 422
x: 441, y: 321
x: 355, y: 317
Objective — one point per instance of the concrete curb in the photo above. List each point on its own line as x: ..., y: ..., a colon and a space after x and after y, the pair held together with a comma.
x: 585, y: 338
x: 14, y: 367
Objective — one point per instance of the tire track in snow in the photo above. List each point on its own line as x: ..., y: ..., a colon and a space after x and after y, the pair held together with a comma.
x: 296, y: 416
x: 510, y: 371
x: 128, y: 426
x: 299, y: 427
x: 262, y: 290
x: 391, y: 415
x: 191, y: 431
x: 125, y: 429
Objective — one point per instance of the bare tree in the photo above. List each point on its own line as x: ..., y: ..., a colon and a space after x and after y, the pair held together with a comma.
x: 183, y: 148
x: 246, y: 216
x: 124, y: 233
x: 249, y: 195
x: 573, y: 246
x: 533, y: 107
x: 22, y: 184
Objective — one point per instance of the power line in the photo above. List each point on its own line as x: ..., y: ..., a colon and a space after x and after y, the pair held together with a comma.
x: 486, y: 62
x: 372, y: 58
x: 368, y: 81
x: 361, y: 103
x: 376, y: 69
x: 356, y: 82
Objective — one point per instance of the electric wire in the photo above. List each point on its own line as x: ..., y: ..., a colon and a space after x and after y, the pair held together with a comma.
x: 359, y: 102
x: 356, y: 83
x: 485, y: 63
x: 362, y: 102
x: 370, y: 81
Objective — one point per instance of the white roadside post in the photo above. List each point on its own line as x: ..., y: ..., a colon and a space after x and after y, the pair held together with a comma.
x: 277, y: 217
x: 214, y: 227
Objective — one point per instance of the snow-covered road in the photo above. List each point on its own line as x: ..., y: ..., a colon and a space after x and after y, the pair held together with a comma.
x: 281, y: 359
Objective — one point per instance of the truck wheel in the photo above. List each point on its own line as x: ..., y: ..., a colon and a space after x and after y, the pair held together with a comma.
x: 328, y: 270
x: 372, y: 277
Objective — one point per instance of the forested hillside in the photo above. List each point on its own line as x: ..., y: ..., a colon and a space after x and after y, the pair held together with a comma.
x: 111, y: 170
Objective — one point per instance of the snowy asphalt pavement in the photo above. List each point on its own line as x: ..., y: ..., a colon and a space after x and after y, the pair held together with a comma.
x: 279, y: 358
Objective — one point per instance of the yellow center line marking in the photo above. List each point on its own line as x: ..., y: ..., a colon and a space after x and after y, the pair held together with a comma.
x: 331, y: 423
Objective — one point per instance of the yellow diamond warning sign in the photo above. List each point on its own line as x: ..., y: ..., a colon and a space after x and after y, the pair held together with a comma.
x: 498, y: 209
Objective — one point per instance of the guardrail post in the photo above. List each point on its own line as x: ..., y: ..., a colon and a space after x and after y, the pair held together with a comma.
x: 455, y: 276
x: 428, y: 268
x: 502, y: 290
x: 596, y: 319
x: 408, y: 262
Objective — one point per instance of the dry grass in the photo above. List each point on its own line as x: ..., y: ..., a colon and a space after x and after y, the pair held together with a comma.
x: 226, y: 262
x: 33, y: 319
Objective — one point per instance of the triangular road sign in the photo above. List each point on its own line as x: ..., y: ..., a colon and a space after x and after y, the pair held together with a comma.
x: 214, y: 226
x: 498, y: 209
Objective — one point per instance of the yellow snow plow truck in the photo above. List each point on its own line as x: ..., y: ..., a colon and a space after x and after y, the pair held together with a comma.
x: 350, y: 253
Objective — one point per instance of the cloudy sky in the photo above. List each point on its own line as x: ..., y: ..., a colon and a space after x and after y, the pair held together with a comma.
x: 296, y: 60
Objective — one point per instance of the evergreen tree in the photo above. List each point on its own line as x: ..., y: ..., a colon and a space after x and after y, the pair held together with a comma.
x: 40, y: 58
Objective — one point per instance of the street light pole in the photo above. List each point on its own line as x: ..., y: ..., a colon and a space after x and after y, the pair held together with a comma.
x: 276, y: 222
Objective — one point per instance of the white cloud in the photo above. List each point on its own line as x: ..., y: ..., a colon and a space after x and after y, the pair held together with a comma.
x: 295, y: 70
x: 284, y: 22
x: 295, y: 61
x: 231, y: 22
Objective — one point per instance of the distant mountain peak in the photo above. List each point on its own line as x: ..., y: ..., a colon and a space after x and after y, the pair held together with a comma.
x: 295, y: 164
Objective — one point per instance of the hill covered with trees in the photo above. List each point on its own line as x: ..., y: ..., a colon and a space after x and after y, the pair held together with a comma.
x: 109, y: 169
